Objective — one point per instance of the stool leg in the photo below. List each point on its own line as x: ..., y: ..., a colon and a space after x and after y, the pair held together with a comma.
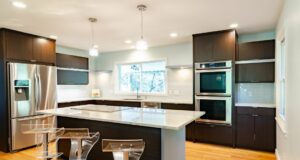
x: 76, y: 149
x: 45, y: 145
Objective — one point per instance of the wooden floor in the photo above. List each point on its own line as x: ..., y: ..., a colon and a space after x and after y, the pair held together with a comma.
x: 194, y: 151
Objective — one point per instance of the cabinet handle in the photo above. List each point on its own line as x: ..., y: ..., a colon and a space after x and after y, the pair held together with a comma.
x: 254, y: 115
x: 33, y: 60
x: 254, y: 137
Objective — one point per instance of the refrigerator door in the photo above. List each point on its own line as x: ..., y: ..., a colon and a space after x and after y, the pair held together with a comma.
x: 22, y: 87
x: 20, y: 125
x: 46, y: 87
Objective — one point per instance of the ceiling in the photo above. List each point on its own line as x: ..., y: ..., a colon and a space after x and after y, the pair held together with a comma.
x: 119, y: 20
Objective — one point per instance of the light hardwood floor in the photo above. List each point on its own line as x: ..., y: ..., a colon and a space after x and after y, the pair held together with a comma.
x: 194, y: 151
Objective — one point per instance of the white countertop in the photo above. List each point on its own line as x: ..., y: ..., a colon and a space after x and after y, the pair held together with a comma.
x: 265, y: 105
x: 156, y: 118
x: 163, y: 100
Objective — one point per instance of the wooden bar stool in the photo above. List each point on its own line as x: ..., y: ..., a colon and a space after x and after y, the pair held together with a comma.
x: 124, y: 149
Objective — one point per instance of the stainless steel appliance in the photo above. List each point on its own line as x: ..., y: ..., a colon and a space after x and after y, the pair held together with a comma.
x: 217, y: 109
x: 31, y: 88
x: 213, y: 91
x: 213, y: 78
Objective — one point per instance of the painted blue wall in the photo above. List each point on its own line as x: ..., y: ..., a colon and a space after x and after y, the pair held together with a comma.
x: 261, y: 36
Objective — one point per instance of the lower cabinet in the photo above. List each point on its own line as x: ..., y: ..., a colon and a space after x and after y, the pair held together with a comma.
x: 118, y: 103
x: 176, y: 106
x: 256, y: 128
x: 213, y: 133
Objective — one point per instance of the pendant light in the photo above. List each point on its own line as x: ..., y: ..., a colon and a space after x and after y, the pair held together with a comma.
x: 142, y: 44
x: 93, y: 51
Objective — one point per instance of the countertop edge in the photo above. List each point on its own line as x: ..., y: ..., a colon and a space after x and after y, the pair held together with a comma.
x: 125, y: 100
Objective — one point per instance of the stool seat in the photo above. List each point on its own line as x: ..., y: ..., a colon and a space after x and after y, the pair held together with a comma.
x: 130, y: 149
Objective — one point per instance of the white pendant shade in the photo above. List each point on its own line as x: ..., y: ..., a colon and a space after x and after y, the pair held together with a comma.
x: 93, y: 52
x: 141, y: 45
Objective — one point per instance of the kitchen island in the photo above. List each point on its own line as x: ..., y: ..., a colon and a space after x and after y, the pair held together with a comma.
x: 162, y: 130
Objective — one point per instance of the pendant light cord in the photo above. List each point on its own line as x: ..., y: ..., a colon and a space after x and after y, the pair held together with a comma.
x: 92, y: 29
x: 142, y: 24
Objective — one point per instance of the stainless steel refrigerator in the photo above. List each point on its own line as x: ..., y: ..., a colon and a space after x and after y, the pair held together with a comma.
x: 31, y: 88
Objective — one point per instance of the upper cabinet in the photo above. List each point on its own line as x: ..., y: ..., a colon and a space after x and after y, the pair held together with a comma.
x: 214, y: 46
x: 256, y: 50
x: 255, y: 62
x: 70, y: 61
x: 18, y: 46
x: 44, y: 50
x: 23, y: 47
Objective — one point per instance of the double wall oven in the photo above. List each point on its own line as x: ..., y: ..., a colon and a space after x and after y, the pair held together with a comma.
x: 213, y: 91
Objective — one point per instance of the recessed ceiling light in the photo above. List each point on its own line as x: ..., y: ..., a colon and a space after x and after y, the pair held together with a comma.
x: 173, y: 35
x: 53, y: 36
x: 128, y: 41
x: 19, y: 4
x: 234, y: 25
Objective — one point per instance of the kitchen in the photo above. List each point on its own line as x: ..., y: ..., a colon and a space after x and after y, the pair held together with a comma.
x: 221, y: 87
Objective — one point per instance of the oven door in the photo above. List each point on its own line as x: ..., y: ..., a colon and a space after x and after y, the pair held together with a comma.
x: 217, y: 109
x: 215, y: 82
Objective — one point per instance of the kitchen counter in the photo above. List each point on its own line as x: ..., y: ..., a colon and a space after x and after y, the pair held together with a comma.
x: 162, y: 100
x: 162, y: 130
x: 265, y: 105
x: 157, y: 118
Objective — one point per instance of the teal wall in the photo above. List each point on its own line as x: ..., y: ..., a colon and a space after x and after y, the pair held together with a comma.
x: 243, y: 38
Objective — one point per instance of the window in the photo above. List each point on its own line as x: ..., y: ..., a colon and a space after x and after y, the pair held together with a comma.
x: 282, y: 80
x: 146, y: 77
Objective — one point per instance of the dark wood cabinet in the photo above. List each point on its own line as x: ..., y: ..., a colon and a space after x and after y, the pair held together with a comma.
x: 256, y: 128
x: 44, y: 50
x: 70, y: 61
x: 213, y: 133
x: 255, y: 73
x: 214, y: 46
x: 18, y: 46
x: 23, y: 47
x: 176, y: 106
x: 256, y: 50
x: 119, y: 103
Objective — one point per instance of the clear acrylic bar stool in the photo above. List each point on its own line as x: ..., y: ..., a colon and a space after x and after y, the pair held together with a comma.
x: 82, y: 141
x: 43, y: 132
x: 124, y: 149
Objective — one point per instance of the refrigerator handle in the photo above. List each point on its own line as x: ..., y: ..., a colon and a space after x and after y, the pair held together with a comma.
x: 39, y: 90
x: 36, y: 92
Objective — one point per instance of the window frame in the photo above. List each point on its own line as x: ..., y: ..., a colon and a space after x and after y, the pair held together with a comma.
x: 117, y: 73
x: 282, y: 79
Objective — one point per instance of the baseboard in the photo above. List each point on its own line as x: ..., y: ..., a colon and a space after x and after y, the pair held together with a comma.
x: 277, y: 155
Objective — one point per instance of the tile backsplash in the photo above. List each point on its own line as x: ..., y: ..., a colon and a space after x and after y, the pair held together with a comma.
x: 255, y: 93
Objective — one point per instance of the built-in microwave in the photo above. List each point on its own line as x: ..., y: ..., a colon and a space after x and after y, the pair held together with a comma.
x: 213, y: 78
x: 217, y: 109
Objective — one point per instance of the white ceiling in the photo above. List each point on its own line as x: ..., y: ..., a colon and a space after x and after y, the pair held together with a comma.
x: 119, y: 20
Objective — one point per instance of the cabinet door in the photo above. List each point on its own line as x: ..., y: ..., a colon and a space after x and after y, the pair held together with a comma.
x: 265, y: 136
x: 214, y: 133
x: 257, y: 50
x: 224, y: 46
x: 255, y: 73
x: 189, y: 107
x: 44, y: 50
x: 203, y: 48
x: 245, y: 131
x: 18, y: 46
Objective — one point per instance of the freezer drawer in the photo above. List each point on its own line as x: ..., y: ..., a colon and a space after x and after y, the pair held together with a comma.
x: 19, y: 125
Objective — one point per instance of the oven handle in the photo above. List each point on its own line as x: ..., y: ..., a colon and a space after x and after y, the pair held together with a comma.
x: 213, y: 70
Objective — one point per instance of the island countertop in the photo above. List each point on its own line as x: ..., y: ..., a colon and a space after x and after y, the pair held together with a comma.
x: 147, y: 117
